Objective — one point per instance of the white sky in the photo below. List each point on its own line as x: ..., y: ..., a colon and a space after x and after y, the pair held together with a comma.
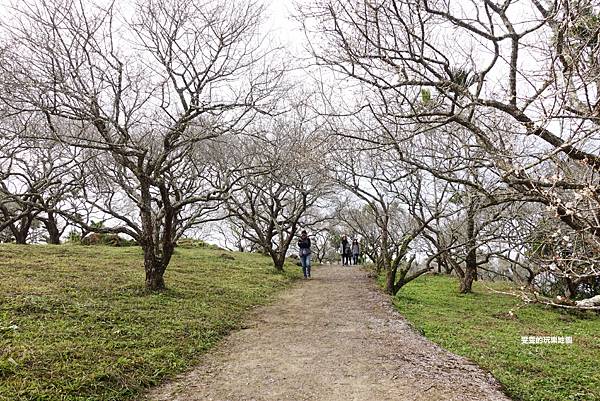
x: 285, y: 30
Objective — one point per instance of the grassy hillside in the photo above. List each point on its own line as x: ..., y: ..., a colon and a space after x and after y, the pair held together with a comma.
x: 478, y: 327
x: 76, y: 324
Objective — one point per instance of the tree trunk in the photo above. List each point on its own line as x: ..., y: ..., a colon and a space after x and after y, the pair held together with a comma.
x: 53, y: 231
x: 154, y: 263
x: 390, y: 275
x: 448, y: 267
x: 398, y: 285
x: 466, y: 282
x: 154, y: 278
x: 390, y: 278
x: 21, y: 231
x: 20, y: 238
x: 278, y: 259
x: 470, y: 275
x: 570, y: 288
x: 386, y: 260
x: 154, y: 267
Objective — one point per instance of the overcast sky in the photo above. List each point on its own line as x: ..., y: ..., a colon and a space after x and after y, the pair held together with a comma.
x: 280, y: 21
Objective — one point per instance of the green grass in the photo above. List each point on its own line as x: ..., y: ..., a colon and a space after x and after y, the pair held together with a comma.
x: 76, y: 323
x: 477, y: 326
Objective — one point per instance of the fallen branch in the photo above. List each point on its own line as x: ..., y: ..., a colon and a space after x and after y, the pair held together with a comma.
x: 536, y: 298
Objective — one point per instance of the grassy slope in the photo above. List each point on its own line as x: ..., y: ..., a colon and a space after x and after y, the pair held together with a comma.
x: 87, y: 331
x: 476, y: 326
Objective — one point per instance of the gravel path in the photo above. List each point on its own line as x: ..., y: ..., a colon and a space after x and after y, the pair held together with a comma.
x: 334, y: 337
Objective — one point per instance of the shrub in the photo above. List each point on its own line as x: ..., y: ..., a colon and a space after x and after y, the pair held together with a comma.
x: 107, y: 239
x: 189, y: 243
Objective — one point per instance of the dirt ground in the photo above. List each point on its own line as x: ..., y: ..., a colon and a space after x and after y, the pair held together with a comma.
x: 333, y: 337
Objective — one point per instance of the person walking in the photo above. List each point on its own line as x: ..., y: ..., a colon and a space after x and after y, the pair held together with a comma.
x: 304, y: 253
x: 355, y: 251
x: 344, y: 250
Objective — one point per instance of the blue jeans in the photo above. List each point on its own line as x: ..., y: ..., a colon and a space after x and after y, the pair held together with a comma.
x: 305, y: 260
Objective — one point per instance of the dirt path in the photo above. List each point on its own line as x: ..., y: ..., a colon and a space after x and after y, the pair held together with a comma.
x: 334, y: 337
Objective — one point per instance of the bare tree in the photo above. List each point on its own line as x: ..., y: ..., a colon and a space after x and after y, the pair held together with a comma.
x: 396, y: 203
x: 232, y: 235
x: 282, y: 184
x: 144, y: 96
x: 517, y: 81
x: 36, y: 180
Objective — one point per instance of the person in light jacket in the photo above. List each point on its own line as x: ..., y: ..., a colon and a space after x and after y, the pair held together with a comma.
x: 355, y: 251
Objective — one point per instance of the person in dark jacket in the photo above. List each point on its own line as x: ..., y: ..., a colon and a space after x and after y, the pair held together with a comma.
x: 345, y: 250
x: 348, y: 254
x: 304, y: 253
